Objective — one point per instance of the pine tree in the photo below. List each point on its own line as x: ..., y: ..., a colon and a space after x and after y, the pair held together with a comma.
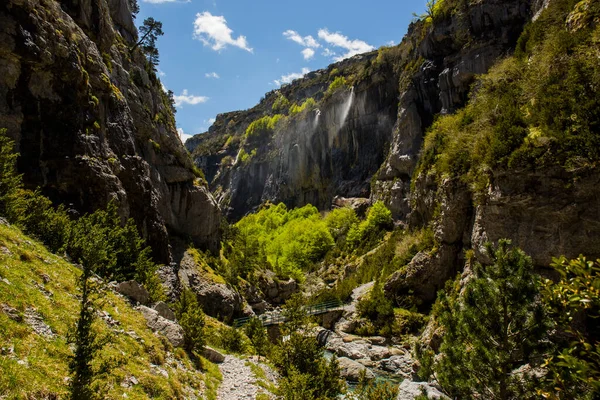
x: 257, y: 334
x: 492, y: 327
x: 191, y: 318
x: 87, y: 343
x: 150, y: 31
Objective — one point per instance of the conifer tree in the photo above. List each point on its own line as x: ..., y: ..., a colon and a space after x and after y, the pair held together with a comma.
x: 492, y: 327
x: 257, y: 334
x: 191, y: 318
x: 150, y: 31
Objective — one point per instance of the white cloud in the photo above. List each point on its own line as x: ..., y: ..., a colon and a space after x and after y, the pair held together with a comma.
x: 212, y: 30
x: 186, y: 98
x: 352, y: 47
x: 212, y: 75
x: 211, y: 121
x: 161, y: 73
x: 182, y: 135
x: 164, y: 88
x: 306, y: 41
x: 391, y: 43
x: 308, y: 53
x: 328, y: 53
x: 290, y: 77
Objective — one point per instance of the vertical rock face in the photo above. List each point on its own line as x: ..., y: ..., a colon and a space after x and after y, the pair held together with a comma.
x: 448, y: 58
x: 91, y: 121
x: 310, y: 157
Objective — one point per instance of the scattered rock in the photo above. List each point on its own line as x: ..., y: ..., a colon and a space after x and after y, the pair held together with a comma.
x: 134, y: 291
x: 409, y: 390
x: 351, y: 370
x: 275, y: 290
x: 11, y: 313
x: 398, y: 365
x: 45, y: 277
x: 213, y: 355
x: 5, y: 281
x: 36, y: 322
x: 358, y: 204
x: 164, y: 311
x: 171, y: 330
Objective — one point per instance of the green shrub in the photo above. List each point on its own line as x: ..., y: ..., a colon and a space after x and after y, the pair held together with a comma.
x: 233, y: 340
x: 378, y: 219
x: 340, y: 220
x: 338, y: 82
x: 309, y: 104
x: 191, y: 318
x: 263, y: 126
x: 281, y: 104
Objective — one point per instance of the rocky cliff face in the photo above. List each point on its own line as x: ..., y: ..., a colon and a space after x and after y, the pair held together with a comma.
x: 449, y: 56
x: 91, y: 121
x: 366, y: 141
x: 333, y: 149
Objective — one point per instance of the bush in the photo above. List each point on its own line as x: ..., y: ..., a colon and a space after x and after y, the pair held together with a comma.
x: 378, y: 219
x: 191, y: 318
x: 281, y: 104
x: 263, y: 126
x: 309, y: 104
x: 338, y: 82
x: 340, y: 220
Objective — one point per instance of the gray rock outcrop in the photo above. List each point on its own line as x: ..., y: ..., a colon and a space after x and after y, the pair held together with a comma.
x: 92, y: 123
x: 134, y: 291
x: 409, y: 390
x: 351, y: 370
x: 170, y: 329
x: 217, y: 299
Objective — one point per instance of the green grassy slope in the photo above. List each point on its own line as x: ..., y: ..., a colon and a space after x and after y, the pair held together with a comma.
x: 35, y: 282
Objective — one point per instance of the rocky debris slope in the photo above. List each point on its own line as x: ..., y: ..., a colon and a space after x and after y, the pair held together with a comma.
x: 240, y: 382
x: 91, y: 121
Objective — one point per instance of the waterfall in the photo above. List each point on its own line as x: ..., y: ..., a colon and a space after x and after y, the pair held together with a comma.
x: 238, y: 155
x: 346, y: 108
x: 316, y: 120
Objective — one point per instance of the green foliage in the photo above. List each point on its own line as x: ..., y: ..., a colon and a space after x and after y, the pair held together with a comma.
x: 309, y: 104
x: 287, y: 242
x: 539, y: 108
x: 281, y: 104
x: 99, y: 240
x: 370, y: 389
x: 575, y: 304
x: 86, y: 341
x: 263, y: 126
x: 493, y: 326
x: 257, y: 334
x: 377, y: 308
x: 150, y: 31
x: 340, y: 220
x: 232, y: 339
x: 378, y: 219
x: 338, y: 82
x: 305, y: 373
x: 191, y: 318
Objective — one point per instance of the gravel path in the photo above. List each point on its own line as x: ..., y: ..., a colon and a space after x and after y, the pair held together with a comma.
x: 239, y: 382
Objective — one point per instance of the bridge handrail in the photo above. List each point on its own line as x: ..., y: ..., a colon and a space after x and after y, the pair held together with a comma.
x: 276, y: 318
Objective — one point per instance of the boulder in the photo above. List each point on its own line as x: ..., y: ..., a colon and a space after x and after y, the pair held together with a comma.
x: 134, y: 291
x: 409, y: 390
x: 276, y: 291
x: 401, y: 365
x: 213, y: 355
x: 164, y: 311
x: 351, y: 370
x: 426, y: 273
x: 170, y: 329
x: 219, y: 300
x: 358, y: 204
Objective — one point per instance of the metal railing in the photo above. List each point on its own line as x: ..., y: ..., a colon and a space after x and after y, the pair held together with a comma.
x: 278, y: 317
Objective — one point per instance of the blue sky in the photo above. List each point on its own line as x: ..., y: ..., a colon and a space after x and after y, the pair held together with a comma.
x: 224, y: 55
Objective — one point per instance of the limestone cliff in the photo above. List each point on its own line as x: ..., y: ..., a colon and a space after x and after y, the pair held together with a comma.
x: 91, y: 120
x: 366, y: 139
